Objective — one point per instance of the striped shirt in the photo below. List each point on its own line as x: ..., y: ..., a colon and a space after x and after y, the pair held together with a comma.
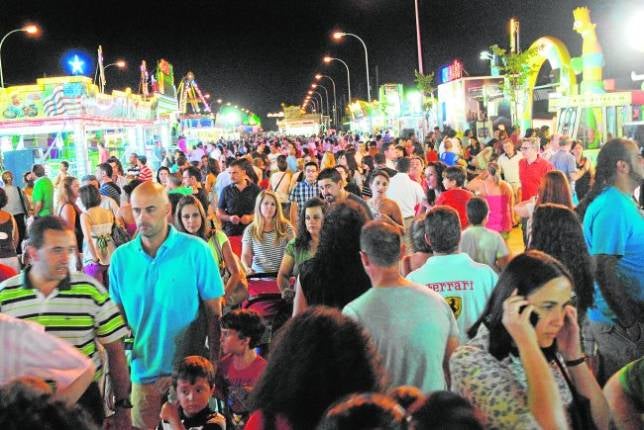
x: 79, y: 310
x: 145, y: 173
x: 267, y: 253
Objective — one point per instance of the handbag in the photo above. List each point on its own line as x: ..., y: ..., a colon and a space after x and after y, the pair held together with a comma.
x: 119, y: 234
x: 239, y: 292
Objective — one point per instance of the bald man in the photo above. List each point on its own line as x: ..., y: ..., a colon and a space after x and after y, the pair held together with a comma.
x: 169, y: 290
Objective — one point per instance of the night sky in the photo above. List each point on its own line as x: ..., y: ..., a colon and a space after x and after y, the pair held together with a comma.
x: 260, y: 53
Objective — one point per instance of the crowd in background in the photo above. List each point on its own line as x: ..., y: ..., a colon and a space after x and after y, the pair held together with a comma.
x: 335, y: 281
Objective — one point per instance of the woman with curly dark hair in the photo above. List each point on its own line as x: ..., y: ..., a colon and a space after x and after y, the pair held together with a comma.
x: 335, y: 275
x: 304, y: 246
x: 316, y: 358
x: 556, y: 230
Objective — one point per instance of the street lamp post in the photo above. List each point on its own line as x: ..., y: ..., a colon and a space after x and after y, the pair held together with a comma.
x: 328, y: 112
x: 321, y: 102
x: 418, y: 41
x: 31, y: 29
x: 329, y: 59
x: 339, y: 35
x: 120, y: 64
x: 335, y: 106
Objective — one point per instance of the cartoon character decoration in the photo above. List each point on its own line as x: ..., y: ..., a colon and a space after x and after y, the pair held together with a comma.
x: 165, y: 79
x: 591, y: 61
x: 20, y: 107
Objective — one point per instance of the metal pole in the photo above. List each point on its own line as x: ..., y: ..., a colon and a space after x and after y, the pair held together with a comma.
x: 321, y: 102
x: 348, y: 77
x: 328, y: 112
x: 1, y: 42
x: 366, y: 60
x: 335, y: 105
x: 418, y: 40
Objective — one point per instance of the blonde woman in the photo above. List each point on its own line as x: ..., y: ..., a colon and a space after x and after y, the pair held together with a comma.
x: 265, y: 239
x: 328, y: 161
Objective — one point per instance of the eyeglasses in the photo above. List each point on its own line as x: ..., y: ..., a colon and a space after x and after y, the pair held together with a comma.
x: 525, y: 148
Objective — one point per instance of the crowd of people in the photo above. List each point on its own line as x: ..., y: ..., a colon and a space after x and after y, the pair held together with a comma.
x: 331, y: 282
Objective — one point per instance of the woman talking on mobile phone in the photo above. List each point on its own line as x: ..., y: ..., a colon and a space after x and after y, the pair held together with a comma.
x: 524, y: 367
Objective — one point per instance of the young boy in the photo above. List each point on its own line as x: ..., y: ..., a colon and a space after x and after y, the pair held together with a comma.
x: 240, y: 366
x: 479, y: 242
x: 455, y: 196
x: 194, y: 382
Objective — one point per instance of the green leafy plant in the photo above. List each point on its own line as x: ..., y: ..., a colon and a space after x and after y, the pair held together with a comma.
x: 516, y: 68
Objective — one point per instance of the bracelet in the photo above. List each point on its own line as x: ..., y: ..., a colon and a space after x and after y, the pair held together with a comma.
x: 576, y: 362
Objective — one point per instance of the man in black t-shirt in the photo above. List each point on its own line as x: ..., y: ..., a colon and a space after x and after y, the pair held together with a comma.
x: 237, y: 200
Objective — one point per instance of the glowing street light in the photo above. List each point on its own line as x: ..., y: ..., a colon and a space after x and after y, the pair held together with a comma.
x: 30, y: 29
x: 328, y: 60
x: 339, y: 35
x: 219, y: 101
x: 120, y: 64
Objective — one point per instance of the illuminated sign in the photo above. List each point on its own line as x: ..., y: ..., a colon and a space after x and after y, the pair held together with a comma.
x: 450, y: 72
x: 76, y: 62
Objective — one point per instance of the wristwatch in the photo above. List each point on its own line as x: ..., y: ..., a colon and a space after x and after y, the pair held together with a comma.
x: 123, y: 403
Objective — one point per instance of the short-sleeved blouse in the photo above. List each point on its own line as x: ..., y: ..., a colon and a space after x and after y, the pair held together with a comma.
x: 299, y: 256
x: 267, y: 253
x: 498, y: 389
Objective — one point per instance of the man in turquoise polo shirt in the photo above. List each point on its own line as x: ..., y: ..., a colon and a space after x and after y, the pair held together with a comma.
x: 43, y: 193
x: 169, y: 289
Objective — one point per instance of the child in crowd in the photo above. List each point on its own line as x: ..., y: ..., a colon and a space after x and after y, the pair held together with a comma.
x: 194, y: 383
x: 484, y: 245
x: 455, y: 196
x: 240, y: 366
x: 449, y: 157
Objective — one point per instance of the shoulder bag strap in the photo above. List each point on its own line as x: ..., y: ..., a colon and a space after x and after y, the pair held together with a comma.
x: 279, y: 182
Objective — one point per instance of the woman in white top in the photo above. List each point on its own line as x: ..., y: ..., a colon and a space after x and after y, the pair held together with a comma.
x: 98, y: 244
x: 265, y: 239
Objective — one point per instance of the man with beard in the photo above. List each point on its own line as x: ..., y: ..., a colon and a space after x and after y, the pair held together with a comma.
x: 614, y: 231
x: 330, y: 185
x: 170, y: 293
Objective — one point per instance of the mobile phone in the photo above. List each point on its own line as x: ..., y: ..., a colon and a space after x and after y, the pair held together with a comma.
x: 534, y: 317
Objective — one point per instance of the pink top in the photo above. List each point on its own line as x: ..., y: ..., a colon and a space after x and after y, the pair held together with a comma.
x: 500, y: 217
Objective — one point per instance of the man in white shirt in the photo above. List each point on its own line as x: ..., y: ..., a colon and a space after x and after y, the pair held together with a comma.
x: 509, y: 164
x: 407, y: 193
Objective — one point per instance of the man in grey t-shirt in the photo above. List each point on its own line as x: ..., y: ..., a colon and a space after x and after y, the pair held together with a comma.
x: 412, y: 326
